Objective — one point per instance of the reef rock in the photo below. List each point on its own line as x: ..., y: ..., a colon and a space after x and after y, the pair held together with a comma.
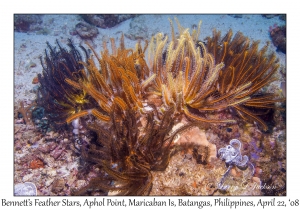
x: 25, y: 23
x: 106, y: 21
x: 86, y: 31
x: 278, y: 36
x: 197, y: 139
x: 138, y: 29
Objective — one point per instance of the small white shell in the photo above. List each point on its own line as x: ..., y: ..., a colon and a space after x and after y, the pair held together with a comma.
x: 76, y: 123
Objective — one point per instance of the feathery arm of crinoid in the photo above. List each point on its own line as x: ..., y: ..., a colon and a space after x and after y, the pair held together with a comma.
x: 126, y: 153
x: 119, y: 79
x: 247, y: 70
x: 186, y: 75
x: 59, y: 98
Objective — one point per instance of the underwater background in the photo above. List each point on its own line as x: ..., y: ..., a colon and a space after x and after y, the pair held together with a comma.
x: 49, y: 156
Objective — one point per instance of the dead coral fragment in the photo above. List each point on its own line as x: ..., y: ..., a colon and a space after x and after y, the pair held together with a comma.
x: 26, y: 112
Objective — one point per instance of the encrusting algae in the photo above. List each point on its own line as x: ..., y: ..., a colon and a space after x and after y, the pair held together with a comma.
x: 132, y: 103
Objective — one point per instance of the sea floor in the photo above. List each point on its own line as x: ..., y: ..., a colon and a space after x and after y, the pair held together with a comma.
x: 50, y: 160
